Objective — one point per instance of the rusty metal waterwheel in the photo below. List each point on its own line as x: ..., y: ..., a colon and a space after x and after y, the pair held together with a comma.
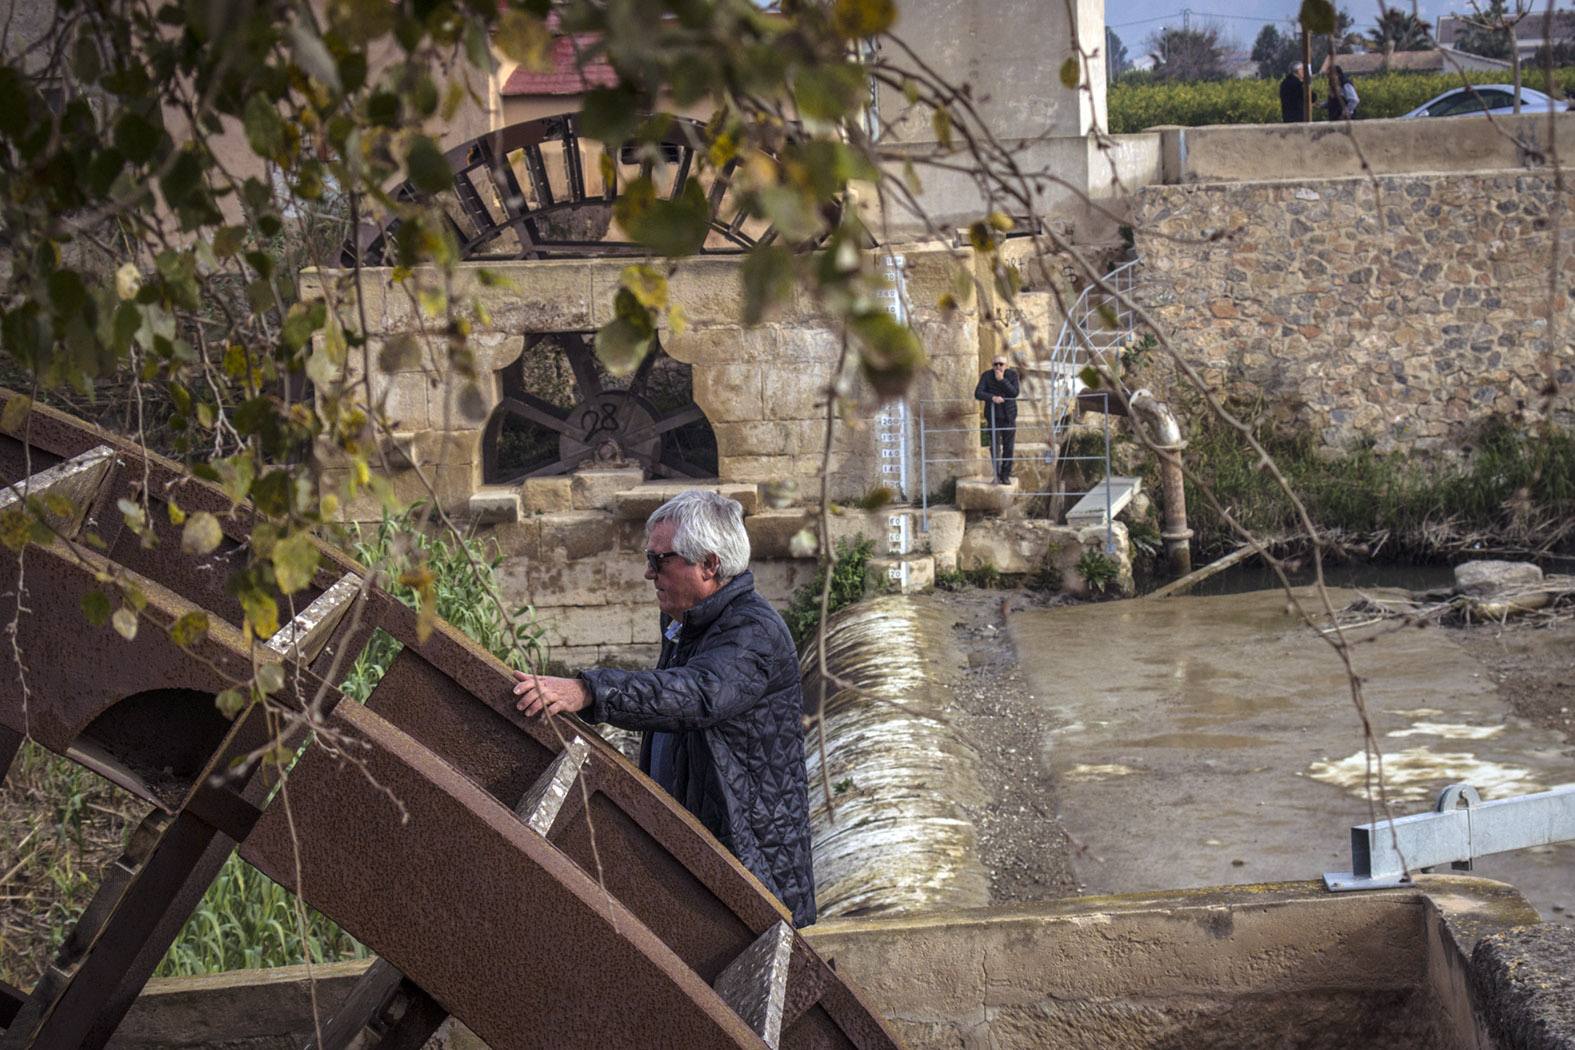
x: 593, y: 421
x: 458, y: 845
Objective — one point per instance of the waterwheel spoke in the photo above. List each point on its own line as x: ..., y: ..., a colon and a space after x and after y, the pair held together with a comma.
x: 587, y: 382
x: 643, y: 373
x: 533, y: 408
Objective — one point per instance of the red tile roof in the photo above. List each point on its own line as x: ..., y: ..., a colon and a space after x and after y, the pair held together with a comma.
x: 565, y: 75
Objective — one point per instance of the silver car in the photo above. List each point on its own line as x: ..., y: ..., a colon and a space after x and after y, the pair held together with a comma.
x: 1486, y: 98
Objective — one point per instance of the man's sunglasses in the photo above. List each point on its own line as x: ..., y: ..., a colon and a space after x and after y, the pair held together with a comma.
x: 654, y: 560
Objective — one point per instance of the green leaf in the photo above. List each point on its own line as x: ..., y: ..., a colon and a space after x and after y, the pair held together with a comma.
x: 672, y: 228
x: 523, y: 38
x: 1070, y: 75
x: 270, y: 677
x: 830, y: 92
x: 792, y: 212
x: 125, y: 623
x: 1317, y: 16
x: 230, y: 703
x: 609, y: 116
x: 201, y: 534
x: 236, y: 475
x: 95, y: 606
x: 264, y: 128
x: 860, y: 18
x: 622, y: 345
x: 311, y: 54
x: 363, y: 20
x: 891, y: 355
x: 429, y: 172
x: 294, y: 562
x: 768, y: 280
x: 399, y: 354
x: 136, y: 137
x: 190, y: 629
x: 302, y: 320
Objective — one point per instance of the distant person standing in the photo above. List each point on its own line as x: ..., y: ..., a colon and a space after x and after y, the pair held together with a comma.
x: 998, y: 390
x: 1292, y: 107
x: 1342, y: 96
x: 1348, y: 94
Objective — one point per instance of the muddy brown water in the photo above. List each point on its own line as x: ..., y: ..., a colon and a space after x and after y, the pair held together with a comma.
x: 1211, y: 740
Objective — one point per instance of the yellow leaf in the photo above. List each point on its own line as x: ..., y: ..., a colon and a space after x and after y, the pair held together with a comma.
x: 15, y: 413
x: 1069, y: 74
x: 853, y: 19
x: 647, y: 285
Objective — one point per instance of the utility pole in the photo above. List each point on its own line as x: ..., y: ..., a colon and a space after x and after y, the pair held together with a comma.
x: 1306, y: 75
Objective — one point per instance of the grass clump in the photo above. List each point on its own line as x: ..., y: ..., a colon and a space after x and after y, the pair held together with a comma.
x: 1099, y: 569
x: 852, y: 579
x: 465, y: 574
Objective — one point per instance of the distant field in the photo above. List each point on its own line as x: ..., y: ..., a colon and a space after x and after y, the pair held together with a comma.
x: 1134, y: 107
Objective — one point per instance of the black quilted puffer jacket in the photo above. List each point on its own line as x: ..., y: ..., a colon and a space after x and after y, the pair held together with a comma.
x: 729, y: 689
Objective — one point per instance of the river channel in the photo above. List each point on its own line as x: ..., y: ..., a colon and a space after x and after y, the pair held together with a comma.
x: 1211, y: 740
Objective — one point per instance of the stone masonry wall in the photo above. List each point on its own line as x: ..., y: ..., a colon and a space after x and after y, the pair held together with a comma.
x: 762, y: 389
x: 572, y: 545
x: 1405, y: 332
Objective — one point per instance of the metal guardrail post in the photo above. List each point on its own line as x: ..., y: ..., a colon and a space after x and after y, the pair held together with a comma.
x: 924, y: 477
x: 1461, y: 828
x: 1110, y: 543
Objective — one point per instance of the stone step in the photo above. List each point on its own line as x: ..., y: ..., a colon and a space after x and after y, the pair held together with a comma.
x: 1092, y: 508
x: 636, y: 503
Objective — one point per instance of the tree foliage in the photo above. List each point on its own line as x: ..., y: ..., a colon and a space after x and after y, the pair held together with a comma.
x: 143, y: 255
x: 1117, y: 61
x: 1188, y: 54
x: 1487, y: 35
x: 1398, y: 30
x: 1274, y: 52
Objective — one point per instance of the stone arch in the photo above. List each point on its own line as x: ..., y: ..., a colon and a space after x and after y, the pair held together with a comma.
x: 559, y: 410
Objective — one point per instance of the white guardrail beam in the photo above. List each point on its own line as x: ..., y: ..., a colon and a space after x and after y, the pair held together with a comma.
x: 1461, y: 828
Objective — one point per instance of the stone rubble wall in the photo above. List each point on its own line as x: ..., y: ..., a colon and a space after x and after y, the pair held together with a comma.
x: 1405, y: 332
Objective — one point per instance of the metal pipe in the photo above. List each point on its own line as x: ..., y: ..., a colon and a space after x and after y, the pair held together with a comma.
x: 1165, y: 434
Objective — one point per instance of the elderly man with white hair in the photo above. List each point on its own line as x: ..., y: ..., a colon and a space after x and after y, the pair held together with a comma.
x: 722, y: 714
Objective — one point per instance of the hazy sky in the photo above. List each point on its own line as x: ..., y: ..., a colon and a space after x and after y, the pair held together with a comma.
x: 1135, y: 20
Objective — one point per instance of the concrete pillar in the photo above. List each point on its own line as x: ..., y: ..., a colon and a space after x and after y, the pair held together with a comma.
x: 1010, y: 54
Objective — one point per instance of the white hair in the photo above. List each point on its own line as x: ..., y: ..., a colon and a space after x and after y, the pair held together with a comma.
x: 706, y: 523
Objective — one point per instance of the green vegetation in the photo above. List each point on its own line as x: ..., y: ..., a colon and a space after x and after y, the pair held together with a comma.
x: 1099, y: 569
x: 985, y: 577
x: 464, y: 580
x: 851, y: 580
x: 248, y: 921
x: 1514, y: 489
x: 1134, y: 107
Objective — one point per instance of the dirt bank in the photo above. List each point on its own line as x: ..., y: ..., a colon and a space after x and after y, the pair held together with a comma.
x: 1024, y: 847
x: 1533, y: 666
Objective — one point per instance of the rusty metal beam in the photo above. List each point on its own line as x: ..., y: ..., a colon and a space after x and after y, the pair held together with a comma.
x: 367, y: 862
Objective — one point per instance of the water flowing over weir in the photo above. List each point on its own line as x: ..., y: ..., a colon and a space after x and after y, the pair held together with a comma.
x: 902, y: 778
